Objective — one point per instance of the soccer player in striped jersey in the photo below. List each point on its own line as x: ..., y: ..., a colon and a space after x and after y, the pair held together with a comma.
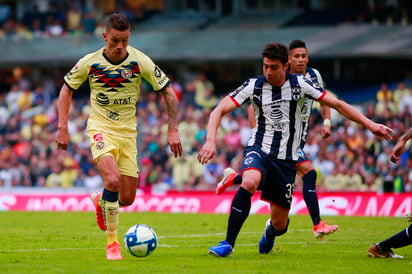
x: 269, y: 162
x: 298, y: 60
x: 114, y: 74
x: 383, y: 249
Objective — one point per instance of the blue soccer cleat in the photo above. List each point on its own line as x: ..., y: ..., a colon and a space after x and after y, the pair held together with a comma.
x: 223, y: 249
x: 266, y: 243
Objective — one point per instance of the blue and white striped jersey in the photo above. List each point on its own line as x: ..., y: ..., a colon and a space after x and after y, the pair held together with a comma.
x: 313, y: 75
x: 278, y: 112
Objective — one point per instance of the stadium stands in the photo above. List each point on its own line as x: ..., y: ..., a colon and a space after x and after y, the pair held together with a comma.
x: 189, y: 43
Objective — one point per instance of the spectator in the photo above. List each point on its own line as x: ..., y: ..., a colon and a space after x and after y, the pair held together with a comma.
x: 335, y: 181
x: 399, y: 93
x: 384, y: 93
x: 405, y: 104
x: 54, y: 178
x: 93, y: 179
x: 203, y: 90
x: 74, y: 19
x: 89, y: 22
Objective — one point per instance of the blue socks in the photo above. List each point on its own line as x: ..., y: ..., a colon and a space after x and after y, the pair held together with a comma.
x: 240, y: 209
x: 400, y: 239
x: 310, y: 196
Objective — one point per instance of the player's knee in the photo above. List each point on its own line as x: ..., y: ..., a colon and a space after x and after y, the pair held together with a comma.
x: 280, y: 227
x: 249, y: 185
x: 112, y: 181
x: 127, y: 199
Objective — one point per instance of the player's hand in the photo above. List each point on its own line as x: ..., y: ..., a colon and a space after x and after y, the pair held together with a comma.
x: 62, y: 139
x: 325, y: 132
x: 397, y: 151
x: 207, y: 152
x: 174, y: 142
x: 382, y: 131
x: 409, y: 217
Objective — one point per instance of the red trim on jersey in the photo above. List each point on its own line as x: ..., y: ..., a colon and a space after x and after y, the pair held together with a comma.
x: 298, y: 164
x: 234, y: 101
x: 323, y: 95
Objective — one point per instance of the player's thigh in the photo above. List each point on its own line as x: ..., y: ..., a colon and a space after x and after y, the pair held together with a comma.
x: 109, y: 171
x: 304, y: 168
x: 127, y: 158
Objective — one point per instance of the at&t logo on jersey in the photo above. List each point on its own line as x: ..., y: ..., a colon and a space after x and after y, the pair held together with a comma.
x: 102, y: 99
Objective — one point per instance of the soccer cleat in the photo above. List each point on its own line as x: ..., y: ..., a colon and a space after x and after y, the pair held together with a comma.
x: 227, y: 181
x: 323, y: 229
x: 223, y: 249
x: 266, y: 243
x: 394, y: 255
x: 113, y: 251
x: 96, y: 197
x: 374, y: 252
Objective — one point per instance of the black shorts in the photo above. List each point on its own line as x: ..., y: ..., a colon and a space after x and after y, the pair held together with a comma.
x: 278, y: 176
x: 302, y: 157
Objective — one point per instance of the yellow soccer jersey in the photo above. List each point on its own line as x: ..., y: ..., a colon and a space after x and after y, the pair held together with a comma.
x: 115, y: 88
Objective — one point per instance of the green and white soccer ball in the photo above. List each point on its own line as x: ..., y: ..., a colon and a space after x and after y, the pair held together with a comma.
x: 140, y: 240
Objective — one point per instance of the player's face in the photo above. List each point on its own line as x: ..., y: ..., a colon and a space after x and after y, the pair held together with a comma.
x: 116, y: 44
x: 274, y: 71
x: 298, y: 60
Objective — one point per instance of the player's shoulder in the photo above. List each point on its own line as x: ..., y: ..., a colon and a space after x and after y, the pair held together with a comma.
x: 312, y: 72
x: 136, y: 53
x: 293, y: 77
x: 92, y: 56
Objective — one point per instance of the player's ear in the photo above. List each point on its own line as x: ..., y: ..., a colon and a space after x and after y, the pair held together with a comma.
x: 104, y: 34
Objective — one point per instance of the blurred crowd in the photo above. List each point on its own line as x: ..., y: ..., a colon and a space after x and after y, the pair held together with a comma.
x: 352, y: 159
x: 44, y: 19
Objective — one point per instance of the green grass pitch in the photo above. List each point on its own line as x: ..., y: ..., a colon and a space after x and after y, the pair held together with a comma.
x: 70, y: 242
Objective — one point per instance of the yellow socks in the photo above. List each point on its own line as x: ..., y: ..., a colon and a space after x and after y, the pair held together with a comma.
x: 111, y: 216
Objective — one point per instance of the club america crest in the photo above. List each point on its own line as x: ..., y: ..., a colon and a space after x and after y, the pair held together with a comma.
x: 126, y: 73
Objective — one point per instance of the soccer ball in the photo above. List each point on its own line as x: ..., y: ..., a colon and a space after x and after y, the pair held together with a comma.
x: 140, y: 240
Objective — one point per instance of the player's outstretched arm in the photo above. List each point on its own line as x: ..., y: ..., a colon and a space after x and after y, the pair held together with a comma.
x: 63, y: 106
x: 173, y: 138
x: 208, y: 150
x: 354, y: 115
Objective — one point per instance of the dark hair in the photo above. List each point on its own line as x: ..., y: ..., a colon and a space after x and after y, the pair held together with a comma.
x: 276, y: 51
x: 117, y: 21
x: 297, y: 44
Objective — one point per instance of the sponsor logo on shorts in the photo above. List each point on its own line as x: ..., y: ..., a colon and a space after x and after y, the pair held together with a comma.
x: 98, y: 138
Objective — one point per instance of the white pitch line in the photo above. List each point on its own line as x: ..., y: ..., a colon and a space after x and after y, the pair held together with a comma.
x: 170, y: 246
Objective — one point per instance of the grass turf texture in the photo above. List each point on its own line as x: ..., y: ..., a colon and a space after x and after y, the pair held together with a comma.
x: 70, y: 242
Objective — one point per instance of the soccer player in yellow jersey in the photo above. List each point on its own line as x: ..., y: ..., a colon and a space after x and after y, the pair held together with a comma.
x: 114, y: 73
